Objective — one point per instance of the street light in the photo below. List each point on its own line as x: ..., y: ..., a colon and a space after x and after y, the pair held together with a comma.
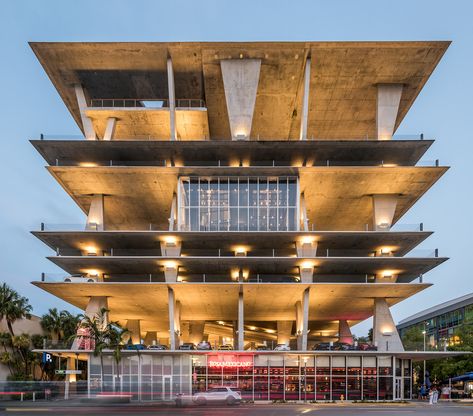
x: 424, y: 332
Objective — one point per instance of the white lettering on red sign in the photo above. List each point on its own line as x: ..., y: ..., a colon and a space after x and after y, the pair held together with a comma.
x: 230, y: 363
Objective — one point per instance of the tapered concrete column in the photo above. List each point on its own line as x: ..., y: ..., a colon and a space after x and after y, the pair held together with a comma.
x: 385, y: 334
x: 95, y: 218
x: 151, y: 338
x: 87, y: 125
x: 95, y: 306
x: 384, y: 207
x: 240, y: 81
x: 134, y: 328
x: 303, y: 213
x: 110, y: 128
x: 172, y: 327
x: 173, y: 216
x: 389, y: 97
x: 284, y: 331
x: 306, y: 248
x: 170, y: 248
x: 305, y: 101
x: 177, y: 321
x: 306, y: 273
x: 241, y: 322
x: 344, y: 332
x: 170, y: 272
x: 172, y: 100
x: 302, y: 320
x: 196, y: 331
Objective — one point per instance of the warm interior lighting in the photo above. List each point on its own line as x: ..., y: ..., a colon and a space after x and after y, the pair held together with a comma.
x: 307, y: 266
x: 385, y: 251
x: 270, y: 331
x: 240, y: 251
x: 252, y: 328
x: 170, y: 265
x: 92, y: 273
x: 220, y: 322
x: 91, y: 250
x: 170, y: 240
x: 388, y: 165
x: 87, y: 164
x: 384, y: 225
x: 307, y: 239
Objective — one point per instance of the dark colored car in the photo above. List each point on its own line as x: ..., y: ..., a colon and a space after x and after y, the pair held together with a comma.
x: 261, y: 348
x: 135, y: 347
x: 322, y: 346
x: 158, y: 347
x: 341, y: 346
x: 187, y: 346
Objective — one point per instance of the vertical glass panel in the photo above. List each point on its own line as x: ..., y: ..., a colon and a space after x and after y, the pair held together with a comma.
x: 354, y: 388
x: 194, y: 219
x: 253, y: 192
x: 273, y: 219
x: 338, y: 387
x: 385, y: 388
x: 273, y: 192
x: 233, y: 219
x: 224, y: 214
x: 282, y: 198
x: 213, y: 218
x: 282, y: 219
x: 292, y: 219
x: 369, y: 388
x: 323, y: 364
x: 243, y: 201
x: 204, y: 219
x: 292, y: 199
x: 233, y: 192
x: 243, y: 219
x: 338, y: 365
x: 194, y: 192
x: 263, y: 218
x: 213, y: 193
x: 322, y: 388
x: 354, y: 366
x: 385, y: 366
x: 253, y: 220
x: 204, y: 194
x: 223, y: 190
x: 263, y: 192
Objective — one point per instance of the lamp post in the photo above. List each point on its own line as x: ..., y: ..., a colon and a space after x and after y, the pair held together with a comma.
x: 424, y: 332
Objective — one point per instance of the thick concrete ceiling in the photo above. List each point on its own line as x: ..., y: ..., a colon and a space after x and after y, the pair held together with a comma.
x: 336, y: 242
x: 337, y: 198
x: 342, y: 102
x: 262, y: 302
x: 184, y: 153
x: 407, y: 268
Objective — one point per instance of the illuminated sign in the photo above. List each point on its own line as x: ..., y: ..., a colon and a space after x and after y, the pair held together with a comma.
x: 232, y: 364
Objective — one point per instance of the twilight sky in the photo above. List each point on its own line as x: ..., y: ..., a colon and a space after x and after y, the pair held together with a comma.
x: 29, y: 105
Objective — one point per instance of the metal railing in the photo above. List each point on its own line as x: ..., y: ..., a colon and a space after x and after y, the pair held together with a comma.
x: 153, y: 103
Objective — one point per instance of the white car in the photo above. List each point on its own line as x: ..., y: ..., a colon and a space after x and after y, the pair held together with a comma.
x: 282, y: 347
x: 80, y: 279
x: 217, y: 394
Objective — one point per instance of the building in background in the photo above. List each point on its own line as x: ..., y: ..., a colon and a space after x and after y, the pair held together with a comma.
x: 246, y: 195
x: 441, y: 322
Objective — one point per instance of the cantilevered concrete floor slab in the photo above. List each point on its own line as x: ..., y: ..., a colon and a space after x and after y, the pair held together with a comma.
x: 337, y: 198
x: 343, y: 79
x: 331, y: 268
x: 338, y: 243
x: 232, y: 153
x: 262, y: 302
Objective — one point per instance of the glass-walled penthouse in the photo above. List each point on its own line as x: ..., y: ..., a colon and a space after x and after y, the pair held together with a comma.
x: 238, y: 204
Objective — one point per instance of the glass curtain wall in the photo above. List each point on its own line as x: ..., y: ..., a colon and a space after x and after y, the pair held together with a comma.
x: 238, y: 204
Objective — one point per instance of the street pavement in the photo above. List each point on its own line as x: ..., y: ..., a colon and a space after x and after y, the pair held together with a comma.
x: 417, y: 409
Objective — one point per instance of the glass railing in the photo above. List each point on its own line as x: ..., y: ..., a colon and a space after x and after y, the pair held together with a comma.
x: 152, y: 103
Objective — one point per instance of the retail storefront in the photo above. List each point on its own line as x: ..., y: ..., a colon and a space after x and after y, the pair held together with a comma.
x: 258, y: 376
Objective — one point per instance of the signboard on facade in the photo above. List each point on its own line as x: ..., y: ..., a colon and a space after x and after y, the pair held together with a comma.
x: 65, y: 372
x: 230, y: 361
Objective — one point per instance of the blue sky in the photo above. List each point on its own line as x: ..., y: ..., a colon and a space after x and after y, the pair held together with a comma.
x: 29, y: 105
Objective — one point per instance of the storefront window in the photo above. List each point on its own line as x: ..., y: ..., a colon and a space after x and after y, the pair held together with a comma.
x: 354, y: 378
x: 276, y: 377
x: 385, y: 365
x: 385, y: 388
x: 292, y: 377
x: 261, y: 379
x: 369, y: 378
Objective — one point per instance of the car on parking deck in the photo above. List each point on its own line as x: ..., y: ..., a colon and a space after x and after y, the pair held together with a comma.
x: 135, y: 347
x: 322, y: 346
x: 204, y: 345
x: 225, y: 347
x: 159, y: 347
x: 187, y: 346
x: 282, y: 347
x: 217, y: 395
x: 262, y: 348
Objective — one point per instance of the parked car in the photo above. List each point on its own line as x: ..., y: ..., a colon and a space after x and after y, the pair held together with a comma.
x: 341, y: 346
x: 261, y: 348
x: 282, y: 347
x: 204, y: 345
x: 159, y: 347
x: 136, y: 347
x: 80, y: 279
x: 225, y: 347
x: 322, y: 346
x: 367, y: 347
x: 187, y: 346
x: 218, y: 395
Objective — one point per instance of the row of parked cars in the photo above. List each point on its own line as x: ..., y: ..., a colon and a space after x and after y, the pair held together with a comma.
x: 206, y: 346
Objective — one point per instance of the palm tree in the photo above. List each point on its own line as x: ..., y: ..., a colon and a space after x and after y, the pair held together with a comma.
x: 51, y: 322
x: 13, y: 306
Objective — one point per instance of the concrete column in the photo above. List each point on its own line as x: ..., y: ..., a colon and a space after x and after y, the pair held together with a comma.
x: 95, y: 218
x: 240, y: 81
x: 134, y: 327
x: 170, y: 272
x: 385, y: 334
x: 302, y: 320
x: 241, y: 322
x: 344, y: 332
x: 196, y: 331
x: 173, y: 216
x: 95, y: 306
x: 177, y: 322
x: 306, y: 273
x: 389, y: 97
x: 305, y: 101
x: 71, y: 365
x: 303, y: 213
x: 151, y: 338
x: 384, y: 207
x: 174, y: 314
x: 284, y: 332
x: 170, y: 248
x: 110, y: 128
x: 306, y: 248
x: 172, y: 100
x: 87, y: 125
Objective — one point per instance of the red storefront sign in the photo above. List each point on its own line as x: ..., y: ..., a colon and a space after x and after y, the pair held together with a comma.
x: 230, y: 361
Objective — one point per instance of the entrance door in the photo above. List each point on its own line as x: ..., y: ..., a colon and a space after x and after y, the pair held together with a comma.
x: 398, y: 389
x: 167, y: 387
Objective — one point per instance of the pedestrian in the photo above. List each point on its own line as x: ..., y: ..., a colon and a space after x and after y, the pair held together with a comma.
x: 436, y: 395
x: 422, y: 392
x: 431, y: 395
